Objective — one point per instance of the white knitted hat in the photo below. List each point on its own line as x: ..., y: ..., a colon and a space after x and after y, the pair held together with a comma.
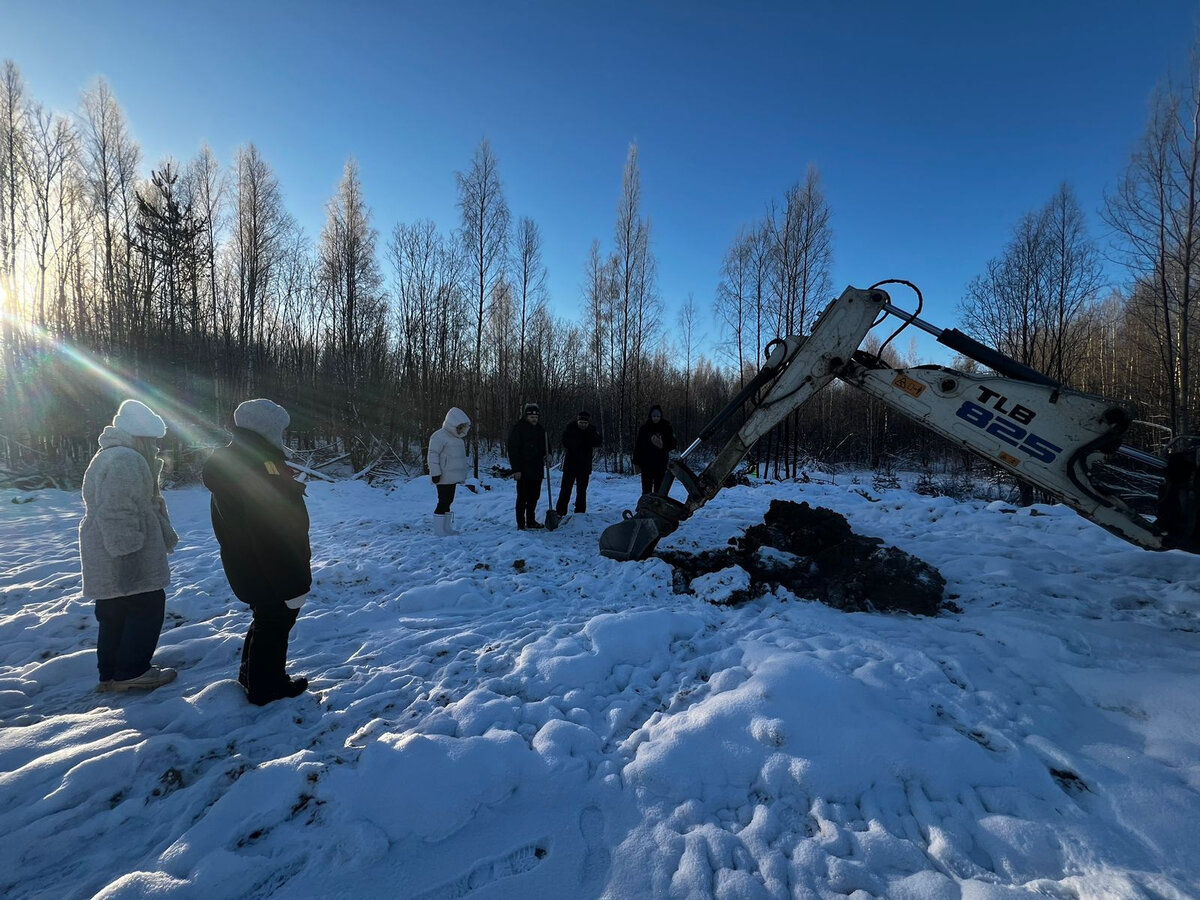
x: 263, y: 417
x: 139, y: 420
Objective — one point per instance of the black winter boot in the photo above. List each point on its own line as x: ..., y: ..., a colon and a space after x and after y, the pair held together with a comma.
x: 292, y: 688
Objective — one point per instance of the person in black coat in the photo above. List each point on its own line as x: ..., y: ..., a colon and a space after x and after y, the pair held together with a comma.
x: 579, y: 440
x: 527, y: 452
x: 261, y: 524
x: 655, y: 441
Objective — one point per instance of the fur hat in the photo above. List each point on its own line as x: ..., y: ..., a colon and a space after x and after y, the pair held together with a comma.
x: 137, y: 419
x: 584, y: 414
x: 263, y: 417
x: 531, y: 408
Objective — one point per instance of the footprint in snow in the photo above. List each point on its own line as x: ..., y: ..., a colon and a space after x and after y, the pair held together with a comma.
x: 597, y: 859
x: 522, y: 860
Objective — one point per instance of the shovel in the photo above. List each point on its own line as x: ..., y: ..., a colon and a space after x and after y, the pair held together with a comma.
x: 552, y: 518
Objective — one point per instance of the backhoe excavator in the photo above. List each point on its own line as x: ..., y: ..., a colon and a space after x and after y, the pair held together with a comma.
x: 1041, y: 432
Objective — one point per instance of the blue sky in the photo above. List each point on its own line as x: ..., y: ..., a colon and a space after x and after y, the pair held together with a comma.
x: 935, y: 125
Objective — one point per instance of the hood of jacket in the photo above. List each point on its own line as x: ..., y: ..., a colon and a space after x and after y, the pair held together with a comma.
x: 454, y: 418
x: 251, y: 443
x: 112, y: 436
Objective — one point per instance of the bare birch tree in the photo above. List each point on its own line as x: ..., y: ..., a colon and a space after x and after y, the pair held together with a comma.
x: 111, y: 159
x: 529, y: 281
x: 350, y: 273
x: 1155, y: 212
x: 50, y: 147
x: 485, y: 236
x: 260, y: 223
x: 207, y: 188
x: 1031, y: 301
x: 689, y: 324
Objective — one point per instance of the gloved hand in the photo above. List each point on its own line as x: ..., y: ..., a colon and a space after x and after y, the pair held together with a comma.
x: 516, y: 476
x: 436, y: 478
x: 656, y: 440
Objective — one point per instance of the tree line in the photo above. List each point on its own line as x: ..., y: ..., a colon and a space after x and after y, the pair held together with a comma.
x: 192, y: 285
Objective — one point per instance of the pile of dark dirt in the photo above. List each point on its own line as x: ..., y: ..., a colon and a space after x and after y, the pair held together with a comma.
x: 812, y: 552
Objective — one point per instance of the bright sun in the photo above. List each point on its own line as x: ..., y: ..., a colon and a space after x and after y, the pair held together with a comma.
x: 10, y: 307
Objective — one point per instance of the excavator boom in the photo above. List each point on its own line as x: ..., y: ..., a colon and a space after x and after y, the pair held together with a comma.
x: 1041, y: 432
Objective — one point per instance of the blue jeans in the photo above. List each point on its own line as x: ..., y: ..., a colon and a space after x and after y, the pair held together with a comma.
x: 129, y: 630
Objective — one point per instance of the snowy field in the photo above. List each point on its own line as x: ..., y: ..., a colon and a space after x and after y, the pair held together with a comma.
x: 507, y: 714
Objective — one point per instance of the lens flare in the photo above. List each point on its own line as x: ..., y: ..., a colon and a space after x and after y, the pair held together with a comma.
x: 36, y: 341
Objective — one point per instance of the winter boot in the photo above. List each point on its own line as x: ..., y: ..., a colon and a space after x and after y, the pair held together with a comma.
x: 293, y: 687
x: 450, y: 523
x: 439, y: 524
x: 150, y: 679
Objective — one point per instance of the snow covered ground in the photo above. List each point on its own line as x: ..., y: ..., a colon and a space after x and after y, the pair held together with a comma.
x: 507, y: 714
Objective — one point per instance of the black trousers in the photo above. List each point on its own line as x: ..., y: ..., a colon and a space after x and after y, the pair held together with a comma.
x: 652, y: 479
x: 579, y: 480
x: 445, y: 498
x: 264, y: 653
x: 528, y: 489
x: 129, y: 630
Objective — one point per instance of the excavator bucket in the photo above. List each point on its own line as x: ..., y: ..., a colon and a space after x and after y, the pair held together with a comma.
x: 632, y: 538
x: 637, y: 534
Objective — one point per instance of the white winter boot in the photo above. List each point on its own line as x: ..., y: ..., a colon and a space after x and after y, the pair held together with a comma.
x: 439, y: 525
x: 450, y: 523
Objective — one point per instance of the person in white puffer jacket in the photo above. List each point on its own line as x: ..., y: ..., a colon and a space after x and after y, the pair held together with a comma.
x: 124, y: 539
x: 448, y: 466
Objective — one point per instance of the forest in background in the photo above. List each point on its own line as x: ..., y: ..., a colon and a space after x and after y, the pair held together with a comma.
x: 189, y: 285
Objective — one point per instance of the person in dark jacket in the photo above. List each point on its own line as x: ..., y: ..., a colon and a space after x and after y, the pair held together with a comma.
x: 261, y: 523
x: 655, y: 441
x: 579, y: 440
x: 527, y: 452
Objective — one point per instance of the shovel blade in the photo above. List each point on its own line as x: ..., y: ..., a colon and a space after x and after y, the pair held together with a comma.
x: 552, y: 520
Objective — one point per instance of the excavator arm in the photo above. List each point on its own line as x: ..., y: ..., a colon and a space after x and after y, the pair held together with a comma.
x: 1039, y: 431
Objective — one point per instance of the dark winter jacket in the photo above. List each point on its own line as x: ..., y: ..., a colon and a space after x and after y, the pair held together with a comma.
x: 645, y: 454
x: 260, y: 520
x: 527, y: 448
x: 579, y: 443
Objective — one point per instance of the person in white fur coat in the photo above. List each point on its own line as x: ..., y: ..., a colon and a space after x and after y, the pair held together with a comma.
x: 124, y: 539
x: 448, y: 466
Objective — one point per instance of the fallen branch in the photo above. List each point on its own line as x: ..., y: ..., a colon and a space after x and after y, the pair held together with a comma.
x: 307, y: 471
x: 330, y: 462
x: 359, y: 474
